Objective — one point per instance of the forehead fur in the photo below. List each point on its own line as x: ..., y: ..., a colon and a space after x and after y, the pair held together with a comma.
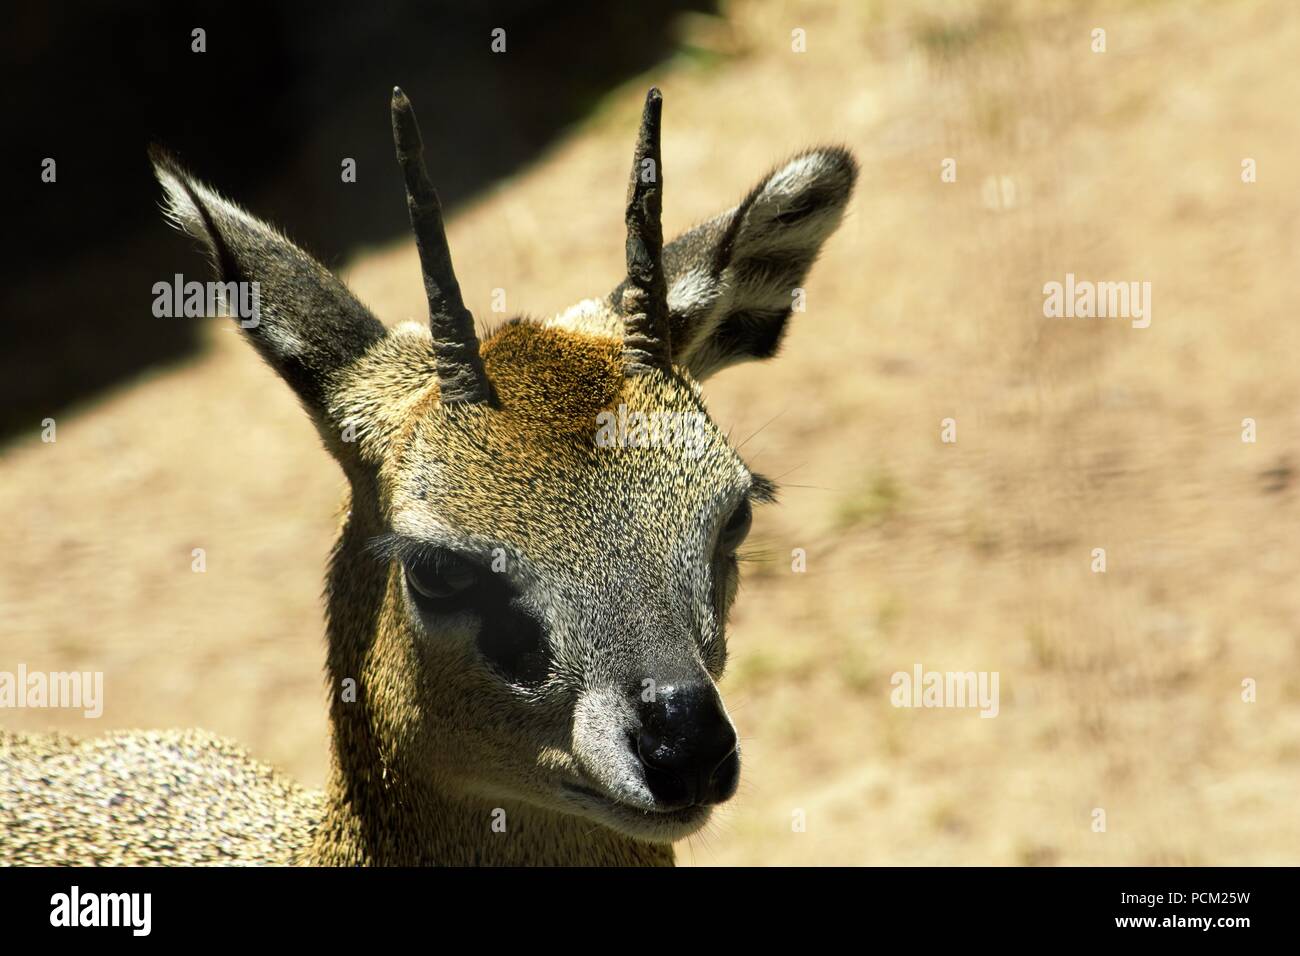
x: 530, y: 466
x: 555, y: 376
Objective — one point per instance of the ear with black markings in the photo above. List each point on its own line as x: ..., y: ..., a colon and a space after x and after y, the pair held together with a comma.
x: 732, y: 280
x: 307, y: 325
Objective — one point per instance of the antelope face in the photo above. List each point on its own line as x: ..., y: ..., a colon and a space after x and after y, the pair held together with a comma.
x: 567, y: 590
x: 555, y: 517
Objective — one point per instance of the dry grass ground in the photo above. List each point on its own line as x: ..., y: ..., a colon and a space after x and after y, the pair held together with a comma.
x: 1120, y: 691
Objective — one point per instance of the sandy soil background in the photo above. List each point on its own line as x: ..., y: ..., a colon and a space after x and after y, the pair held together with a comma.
x: 1120, y: 691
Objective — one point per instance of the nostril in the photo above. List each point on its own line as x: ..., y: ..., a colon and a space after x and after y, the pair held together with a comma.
x: 725, y: 743
x: 648, y: 747
x: 687, y: 746
x: 665, y: 783
x: 724, y: 780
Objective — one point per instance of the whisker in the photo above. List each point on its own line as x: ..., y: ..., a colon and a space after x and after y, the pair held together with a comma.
x: 761, y: 427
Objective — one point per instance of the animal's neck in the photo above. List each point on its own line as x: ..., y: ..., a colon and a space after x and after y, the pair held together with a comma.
x: 381, y: 810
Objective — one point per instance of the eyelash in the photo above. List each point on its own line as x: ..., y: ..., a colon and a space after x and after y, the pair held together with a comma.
x: 440, y: 581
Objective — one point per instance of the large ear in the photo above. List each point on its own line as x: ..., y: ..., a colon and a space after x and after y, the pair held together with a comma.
x: 307, y: 325
x: 732, y: 280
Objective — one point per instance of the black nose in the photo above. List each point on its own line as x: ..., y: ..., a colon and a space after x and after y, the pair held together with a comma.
x: 688, y: 746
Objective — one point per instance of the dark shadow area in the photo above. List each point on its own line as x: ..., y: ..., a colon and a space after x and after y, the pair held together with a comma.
x: 282, y: 95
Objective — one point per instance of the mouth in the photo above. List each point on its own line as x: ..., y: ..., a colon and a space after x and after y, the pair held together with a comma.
x: 638, y: 820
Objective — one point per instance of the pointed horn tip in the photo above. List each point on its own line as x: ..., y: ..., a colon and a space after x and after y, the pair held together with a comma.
x: 648, y: 140
x: 406, y: 130
x: 654, y: 101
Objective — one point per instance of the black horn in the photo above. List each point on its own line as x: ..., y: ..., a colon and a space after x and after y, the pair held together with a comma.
x: 461, y: 377
x: 644, y: 301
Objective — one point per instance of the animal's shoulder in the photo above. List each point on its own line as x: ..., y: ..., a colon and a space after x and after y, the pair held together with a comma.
x: 141, y: 798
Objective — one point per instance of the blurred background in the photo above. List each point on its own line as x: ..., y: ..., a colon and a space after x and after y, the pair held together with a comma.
x: 1120, y: 691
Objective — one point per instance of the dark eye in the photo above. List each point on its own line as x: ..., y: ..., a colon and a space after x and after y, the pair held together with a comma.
x: 736, y: 528
x: 440, y: 581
